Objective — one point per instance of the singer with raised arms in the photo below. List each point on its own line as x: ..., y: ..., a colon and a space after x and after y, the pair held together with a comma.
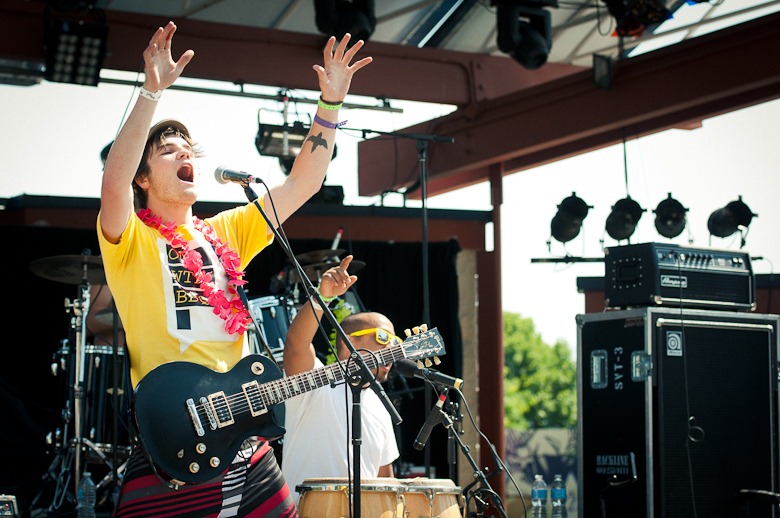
x: 174, y: 277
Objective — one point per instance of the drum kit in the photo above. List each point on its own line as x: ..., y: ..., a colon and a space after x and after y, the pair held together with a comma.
x: 94, y: 432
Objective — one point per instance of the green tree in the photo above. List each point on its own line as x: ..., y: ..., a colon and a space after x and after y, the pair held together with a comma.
x: 540, y: 381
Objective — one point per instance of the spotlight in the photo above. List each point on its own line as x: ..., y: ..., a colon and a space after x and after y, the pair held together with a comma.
x: 734, y: 216
x: 75, y: 51
x: 621, y: 222
x: 670, y: 217
x: 338, y: 17
x: 284, y: 142
x: 525, y: 32
x: 566, y: 223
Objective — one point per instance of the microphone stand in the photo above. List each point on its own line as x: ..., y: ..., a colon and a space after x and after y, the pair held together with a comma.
x: 363, y: 374
x: 422, y: 157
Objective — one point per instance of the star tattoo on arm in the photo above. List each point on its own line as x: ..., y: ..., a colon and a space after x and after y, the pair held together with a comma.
x: 317, y: 141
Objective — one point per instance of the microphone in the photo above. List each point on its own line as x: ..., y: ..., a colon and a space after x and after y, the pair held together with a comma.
x: 225, y: 175
x: 408, y: 368
x: 432, y: 420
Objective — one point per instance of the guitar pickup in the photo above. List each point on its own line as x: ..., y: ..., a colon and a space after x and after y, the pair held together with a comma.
x: 254, y: 398
x: 221, y: 409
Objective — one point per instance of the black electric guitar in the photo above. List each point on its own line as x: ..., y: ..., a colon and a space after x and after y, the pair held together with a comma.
x: 191, y: 420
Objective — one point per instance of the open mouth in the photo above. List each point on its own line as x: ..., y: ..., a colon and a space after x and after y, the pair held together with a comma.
x: 186, y: 173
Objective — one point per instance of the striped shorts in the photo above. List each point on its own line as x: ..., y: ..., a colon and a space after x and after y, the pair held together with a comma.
x: 253, y: 486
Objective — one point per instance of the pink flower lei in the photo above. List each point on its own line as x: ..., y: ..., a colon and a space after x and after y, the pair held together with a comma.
x: 232, y: 311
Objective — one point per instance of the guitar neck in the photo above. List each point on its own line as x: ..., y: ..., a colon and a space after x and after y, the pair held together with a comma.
x: 279, y: 390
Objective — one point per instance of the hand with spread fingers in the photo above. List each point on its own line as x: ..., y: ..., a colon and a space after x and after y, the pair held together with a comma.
x: 160, y: 68
x: 336, y: 74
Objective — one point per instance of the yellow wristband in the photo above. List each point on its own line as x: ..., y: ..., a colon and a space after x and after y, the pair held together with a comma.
x: 324, y: 298
x: 326, y: 105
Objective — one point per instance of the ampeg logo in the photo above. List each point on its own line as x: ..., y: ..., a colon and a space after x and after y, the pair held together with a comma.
x: 674, y: 281
x: 674, y: 343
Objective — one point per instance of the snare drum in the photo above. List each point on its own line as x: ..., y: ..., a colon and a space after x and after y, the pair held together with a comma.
x: 432, y: 497
x: 329, y: 497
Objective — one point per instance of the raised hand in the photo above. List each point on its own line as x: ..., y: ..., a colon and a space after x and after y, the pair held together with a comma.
x: 337, y: 280
x: 336, y: 74
x: 160, y: 68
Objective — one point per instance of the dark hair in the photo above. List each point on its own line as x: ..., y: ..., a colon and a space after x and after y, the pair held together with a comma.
x: 156, y: 140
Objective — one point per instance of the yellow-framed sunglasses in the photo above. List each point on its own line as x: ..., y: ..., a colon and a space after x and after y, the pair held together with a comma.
x: 381, y: 336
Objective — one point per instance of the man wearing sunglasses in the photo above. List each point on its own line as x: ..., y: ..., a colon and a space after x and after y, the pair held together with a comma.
x: 318, y: 439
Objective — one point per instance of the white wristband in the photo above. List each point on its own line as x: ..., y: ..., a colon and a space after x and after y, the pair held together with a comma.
x: 152, y: 96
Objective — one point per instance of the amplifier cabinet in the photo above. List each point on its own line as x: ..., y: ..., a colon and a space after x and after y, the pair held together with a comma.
x: 677, y: 413
x: 657, y: 274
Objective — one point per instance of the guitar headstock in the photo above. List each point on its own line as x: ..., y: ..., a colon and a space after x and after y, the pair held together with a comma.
x: 422, y: 343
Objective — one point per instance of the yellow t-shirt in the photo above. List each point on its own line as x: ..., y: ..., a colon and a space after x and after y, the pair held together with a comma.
x: 157, y: 298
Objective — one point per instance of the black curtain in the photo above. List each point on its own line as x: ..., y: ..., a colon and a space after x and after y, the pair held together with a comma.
x: 38, y: 323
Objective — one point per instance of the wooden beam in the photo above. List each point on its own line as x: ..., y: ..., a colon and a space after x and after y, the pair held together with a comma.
x: 252, y: 55
x: 680, y: 85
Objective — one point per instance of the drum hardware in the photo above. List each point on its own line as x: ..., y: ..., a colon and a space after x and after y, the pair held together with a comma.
x: 87, y: 385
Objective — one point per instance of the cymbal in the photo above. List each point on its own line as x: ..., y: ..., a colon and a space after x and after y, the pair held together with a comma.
x: 70, y: 269
x: 314, y: 271
x: 318, y: 256
x: 106, y: 317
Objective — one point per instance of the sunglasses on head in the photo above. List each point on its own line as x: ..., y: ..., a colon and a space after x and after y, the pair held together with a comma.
x: 381, y: 336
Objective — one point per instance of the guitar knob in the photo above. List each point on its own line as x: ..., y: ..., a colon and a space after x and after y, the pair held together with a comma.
x: 416, y: 330
x: 437, y: 360
x: 424, y: 327
x: 194, y: 467
x: 408, y: 332
x: 200, y: 448
x: 214, y: 462
x: 428, y: 362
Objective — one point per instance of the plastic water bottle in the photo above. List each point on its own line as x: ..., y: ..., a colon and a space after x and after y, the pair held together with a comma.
x: 86, y: 497
x: 539, y: 497
x: 558, y: 497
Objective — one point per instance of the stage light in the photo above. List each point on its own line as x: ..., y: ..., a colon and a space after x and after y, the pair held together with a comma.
x: 524, y: 32
x: 75, y: 51
x: 283, y: 141
x: 566, y: 223
x: 670, y: 217
x: 736, y: 215
x: 338, y: 17
x: 622, y: 221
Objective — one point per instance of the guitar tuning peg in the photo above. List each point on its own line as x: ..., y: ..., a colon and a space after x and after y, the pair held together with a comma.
x: 428, y: 362
x: 407, y: 332
x: 420, y: 364
x: 424, y: 327
x: 437, y: 360
x: 416, y: 330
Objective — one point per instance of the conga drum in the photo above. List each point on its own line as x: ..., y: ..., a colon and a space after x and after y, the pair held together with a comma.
x: 432, y: 497
x: 330, y: 498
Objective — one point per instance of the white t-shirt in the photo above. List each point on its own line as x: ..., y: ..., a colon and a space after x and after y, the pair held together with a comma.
x: 318, y: 442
